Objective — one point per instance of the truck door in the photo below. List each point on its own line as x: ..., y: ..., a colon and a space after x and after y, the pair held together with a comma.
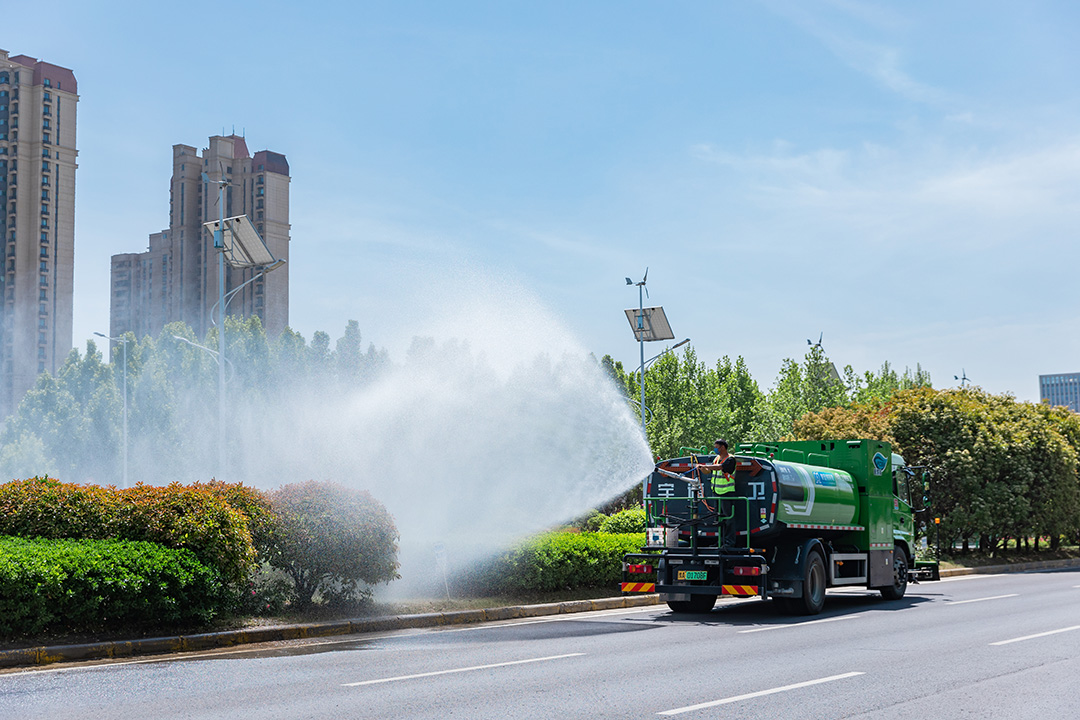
x: 902, y: 525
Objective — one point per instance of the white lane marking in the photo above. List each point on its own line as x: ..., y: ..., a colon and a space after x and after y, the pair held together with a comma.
x: 460, y: 670
x: 995, y: 597
x: 760, y: 693
x: 799, y: 624
x: 1037, y: 635
x: 561, y: 618
x: 959, y: 578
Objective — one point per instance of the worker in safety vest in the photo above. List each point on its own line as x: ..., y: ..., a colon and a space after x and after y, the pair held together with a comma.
x: 722, y: 472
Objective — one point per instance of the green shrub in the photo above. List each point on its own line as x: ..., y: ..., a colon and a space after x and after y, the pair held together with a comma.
x: 625, y: 521
x: 77, y: 585
x: 256, y: 507
x: 593, y: 522
x: 333, y: 539
x: 44, y: 507
x: 199, y: 518
x: 557, y: 561
x: 178, y: 516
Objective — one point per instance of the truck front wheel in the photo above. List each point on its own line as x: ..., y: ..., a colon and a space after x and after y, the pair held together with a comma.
x: 899, y: 586
x: 696, y: 604
x: 813, y: 594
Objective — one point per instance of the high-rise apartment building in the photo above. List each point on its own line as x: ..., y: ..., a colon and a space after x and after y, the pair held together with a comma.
x: 37, y: 192
x: 177, y: 277
x: 1061, y: 389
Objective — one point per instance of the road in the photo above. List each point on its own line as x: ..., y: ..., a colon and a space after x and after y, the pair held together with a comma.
x: 997, y: 646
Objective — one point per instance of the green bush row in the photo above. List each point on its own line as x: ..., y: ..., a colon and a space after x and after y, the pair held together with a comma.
x: 79, y: 585
x: 198, y: 517
x: 328, y: 538
x: 557, y: 561
x: 624, y: 521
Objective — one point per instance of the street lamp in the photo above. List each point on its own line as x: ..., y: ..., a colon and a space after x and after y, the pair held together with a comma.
x: 232, y: 293
x: 674, y: 347
x: 648, y: 324
x: 213, y: 353
x: 122, y: 341
x: 219, y: 245
x: 237, y: 242
x: 653, y: 359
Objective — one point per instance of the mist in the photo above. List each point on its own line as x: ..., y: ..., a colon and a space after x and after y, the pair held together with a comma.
x: 495, y: 423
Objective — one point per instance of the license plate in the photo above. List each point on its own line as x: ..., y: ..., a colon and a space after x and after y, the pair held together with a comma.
x: 693, y: 575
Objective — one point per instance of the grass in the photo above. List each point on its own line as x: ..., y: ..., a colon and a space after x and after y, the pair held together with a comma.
x: 977, y: 558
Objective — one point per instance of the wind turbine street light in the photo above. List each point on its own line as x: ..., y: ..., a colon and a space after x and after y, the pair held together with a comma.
x: 219, y: 245
x: 123, y: 342
x: 648, y: 324
x: 237, y: 241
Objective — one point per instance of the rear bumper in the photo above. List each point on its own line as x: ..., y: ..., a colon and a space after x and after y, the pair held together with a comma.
x: 682, y: 574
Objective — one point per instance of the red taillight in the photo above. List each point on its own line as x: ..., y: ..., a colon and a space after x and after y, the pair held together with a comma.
x: 640, y: 569
x: 746, y: 570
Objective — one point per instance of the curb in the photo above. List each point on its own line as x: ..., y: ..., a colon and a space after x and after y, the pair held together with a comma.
x: 1014, y: 567
x: 45, y: 655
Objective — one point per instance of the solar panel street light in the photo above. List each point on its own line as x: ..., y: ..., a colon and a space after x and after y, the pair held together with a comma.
x: 649, y: 324
x: 241, y: 247
x: 240, y: 243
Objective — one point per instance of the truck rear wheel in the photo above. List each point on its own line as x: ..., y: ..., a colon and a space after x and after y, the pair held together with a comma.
x: 899, y: 586
x: 813, y: 594
x: 696, y: 604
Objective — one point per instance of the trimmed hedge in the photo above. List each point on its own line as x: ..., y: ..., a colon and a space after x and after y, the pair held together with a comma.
x: 558, y: 561
x: 200, y: 517
x: 77, y: 585
x: 624, y: 521
x: 255, y: 505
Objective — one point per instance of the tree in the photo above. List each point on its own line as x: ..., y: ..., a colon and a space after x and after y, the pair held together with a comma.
x: 332, y: 539
x: 348, y: 356
x: 23, y: 456
x: 1001, y: 468
x: 869, y: 421
x: 744, y: 403
x: 881, y: 386
x: 50, y: 413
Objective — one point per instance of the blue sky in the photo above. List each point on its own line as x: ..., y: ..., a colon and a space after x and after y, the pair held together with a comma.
x: 904, y: 178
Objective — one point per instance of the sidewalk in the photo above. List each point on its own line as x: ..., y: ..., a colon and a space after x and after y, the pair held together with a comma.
x: 45, y: 655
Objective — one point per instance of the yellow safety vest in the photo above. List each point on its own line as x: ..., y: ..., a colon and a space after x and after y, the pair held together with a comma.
x: 723, y: 483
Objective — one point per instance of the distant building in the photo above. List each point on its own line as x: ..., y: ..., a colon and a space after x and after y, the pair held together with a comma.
x: 37, y: 221
x: 1061, y: 389
x: 177, y: 277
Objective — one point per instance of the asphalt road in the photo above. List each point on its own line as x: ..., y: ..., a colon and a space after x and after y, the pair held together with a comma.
x: 992, y: 646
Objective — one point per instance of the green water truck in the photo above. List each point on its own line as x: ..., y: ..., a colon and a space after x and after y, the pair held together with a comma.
x: 807, y: 516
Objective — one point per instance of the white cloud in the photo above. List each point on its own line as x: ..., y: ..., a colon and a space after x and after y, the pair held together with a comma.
x: 845, y: 37
x: 1034, y: 185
